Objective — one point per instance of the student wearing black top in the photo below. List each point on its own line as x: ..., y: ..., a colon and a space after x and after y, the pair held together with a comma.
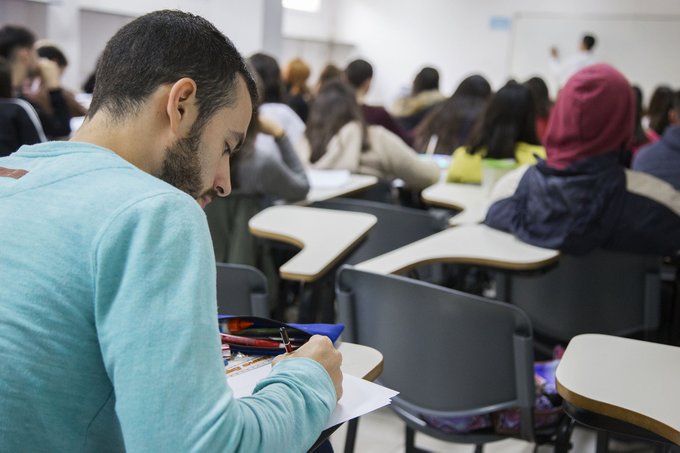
x: 16, y: 46
x: 19, y: 124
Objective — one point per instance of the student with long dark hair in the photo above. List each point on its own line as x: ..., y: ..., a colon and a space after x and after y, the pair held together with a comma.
x: 449, y: 124
x: 272, y: 96
x: 542, y: 104
x: 660, y: 105
x: 337, y: 137
x: 640, y: 136
x: 505, y: 131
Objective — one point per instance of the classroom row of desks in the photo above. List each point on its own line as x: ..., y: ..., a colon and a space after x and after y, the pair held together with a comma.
x: 599, y: 375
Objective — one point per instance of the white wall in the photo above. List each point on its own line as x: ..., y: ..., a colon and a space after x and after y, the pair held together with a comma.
x: 62, y: 21
x: 455, y: 36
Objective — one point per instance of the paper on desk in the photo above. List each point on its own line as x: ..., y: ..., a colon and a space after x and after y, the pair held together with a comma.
x: 359, y: 397
x: 328, y: 179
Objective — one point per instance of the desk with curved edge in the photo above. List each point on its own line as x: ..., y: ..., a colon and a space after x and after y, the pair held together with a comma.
x: 468, y: 198
x: 324, y: 235
x: 361, y: 361
x: 471, y: 244
x: 628, y: 380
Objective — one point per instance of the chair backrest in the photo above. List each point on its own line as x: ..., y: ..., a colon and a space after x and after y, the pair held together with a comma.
x: 448, y: 353
x: 397, y: 226
x: 241, y: 290
x: 603, y: 292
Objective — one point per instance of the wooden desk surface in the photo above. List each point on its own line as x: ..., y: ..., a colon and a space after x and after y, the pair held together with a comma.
x: 472, y: 244
x: 356, y: 183
x: 324, y: 235
x: 468, y: 198
x: 361, y: 361
x: 629, y: 380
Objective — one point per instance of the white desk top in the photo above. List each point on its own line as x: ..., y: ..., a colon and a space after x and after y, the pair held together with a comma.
x: 469, y: 198
x: 356, y: 183
x: 630, y: 380
x: 361, y: 361
x: 324, y: 235
x: 473, y: 244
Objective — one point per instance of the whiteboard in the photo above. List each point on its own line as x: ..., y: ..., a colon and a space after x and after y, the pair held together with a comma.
x: 643, y: 47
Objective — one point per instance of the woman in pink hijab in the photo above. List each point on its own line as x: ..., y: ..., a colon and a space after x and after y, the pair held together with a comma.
x: 581, y: 197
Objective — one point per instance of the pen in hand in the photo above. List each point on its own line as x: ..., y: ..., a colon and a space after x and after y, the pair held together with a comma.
x: 285, y: 340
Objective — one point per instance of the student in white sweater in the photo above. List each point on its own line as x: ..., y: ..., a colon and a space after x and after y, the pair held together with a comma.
x: 338, y: 138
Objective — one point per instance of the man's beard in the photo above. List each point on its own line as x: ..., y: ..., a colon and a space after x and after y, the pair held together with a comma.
x: 182, y: 166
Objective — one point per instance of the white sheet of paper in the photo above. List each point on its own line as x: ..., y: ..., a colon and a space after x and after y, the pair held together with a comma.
x: 328, y: 179
x: 359, y: 397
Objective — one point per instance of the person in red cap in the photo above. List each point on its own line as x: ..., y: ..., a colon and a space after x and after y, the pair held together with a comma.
x: 581, y: 197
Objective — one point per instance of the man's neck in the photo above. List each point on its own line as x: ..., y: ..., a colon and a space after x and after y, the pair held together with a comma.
x: 130, y: 139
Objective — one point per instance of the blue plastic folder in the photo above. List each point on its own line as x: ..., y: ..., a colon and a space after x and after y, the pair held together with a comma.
x: 299, y: 333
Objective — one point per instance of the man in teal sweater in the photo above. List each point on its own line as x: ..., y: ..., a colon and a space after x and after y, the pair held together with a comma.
x: 108, y: 330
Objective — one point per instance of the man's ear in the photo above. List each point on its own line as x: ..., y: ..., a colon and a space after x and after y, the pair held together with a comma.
x: 182, y: 108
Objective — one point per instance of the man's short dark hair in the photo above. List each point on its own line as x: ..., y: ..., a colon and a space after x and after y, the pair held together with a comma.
x: 13, y: 38
x: 160, y: 48
x: 358, y: 71
x: 589, y: 41
x: 53, y: 53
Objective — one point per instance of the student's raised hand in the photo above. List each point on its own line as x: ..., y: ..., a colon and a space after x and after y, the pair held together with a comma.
x: 321, y: 349
x: 49, y: 73
x: 270, y: 127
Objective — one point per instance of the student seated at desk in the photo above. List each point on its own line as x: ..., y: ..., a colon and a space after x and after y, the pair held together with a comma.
x: 266, y: 169
x: 262, y: 172
x: 338, y: 138
x: 424, y: 96
x: 449, y: 124
x: 582, y: 198
x: 662, y: 159
x: 110, y: 341
x: 16, y: 46
x: 19, y: 123
x: 656, y: 119
x: 359, y: 74
x: 272, y: 97
x: 542, y: 104
x: 37, y: 91
x: 507, y: 130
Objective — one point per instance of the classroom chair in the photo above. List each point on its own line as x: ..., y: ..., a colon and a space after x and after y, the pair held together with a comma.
x: 604, y: 292
x: 448, y: 353
x: 397, y: 226
x: 241, y: 290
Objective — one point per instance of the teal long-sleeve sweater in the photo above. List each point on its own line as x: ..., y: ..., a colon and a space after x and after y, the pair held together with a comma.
x: 108, y: 330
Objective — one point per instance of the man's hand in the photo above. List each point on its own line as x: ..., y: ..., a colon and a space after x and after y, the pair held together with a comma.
x: 49, y: 73
x: 321, y: 349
